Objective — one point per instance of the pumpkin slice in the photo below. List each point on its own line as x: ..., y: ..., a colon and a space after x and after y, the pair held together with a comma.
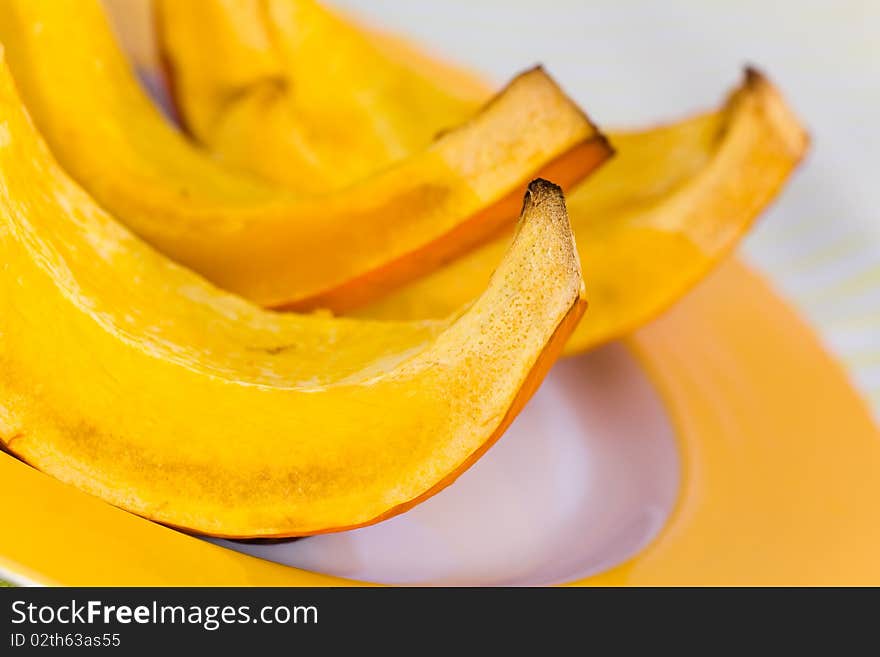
x: 274, y: 246
x: 258, y: 84
x: 650, y: 224
x: 180, y: 402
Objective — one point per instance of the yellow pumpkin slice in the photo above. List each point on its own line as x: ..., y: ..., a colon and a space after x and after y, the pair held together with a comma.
x: 650, y: 224
x: 771, y: 494
x: 259, y: 83
x: 170, y: 398
x: 272, y: 245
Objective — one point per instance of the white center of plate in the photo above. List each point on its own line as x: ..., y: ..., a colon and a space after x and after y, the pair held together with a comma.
x: 583, y: 479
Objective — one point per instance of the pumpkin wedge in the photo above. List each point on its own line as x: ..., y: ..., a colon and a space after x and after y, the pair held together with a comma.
x: 259, y: 84
x: 274, y: 246
x: 650, y: 224
x: 654, y: 221
x: 161, y: 394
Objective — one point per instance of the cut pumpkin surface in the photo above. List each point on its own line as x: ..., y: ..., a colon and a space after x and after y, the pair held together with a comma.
x: 275, y: 246
x: 163, y: 395
x: 650, y: 224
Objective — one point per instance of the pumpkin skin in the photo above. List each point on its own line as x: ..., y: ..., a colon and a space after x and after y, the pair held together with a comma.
x: 136, y: 380
x: 275, y: 246
x: 650, y: 224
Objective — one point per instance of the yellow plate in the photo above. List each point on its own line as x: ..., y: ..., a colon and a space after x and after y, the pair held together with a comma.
x: 779, y: 472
